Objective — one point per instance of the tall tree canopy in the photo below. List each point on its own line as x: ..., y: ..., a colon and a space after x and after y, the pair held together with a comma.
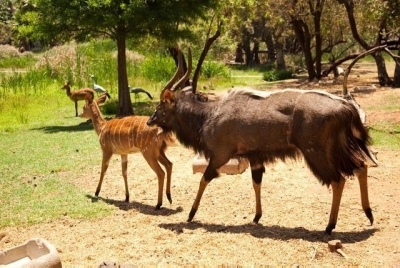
x: 57, y: 21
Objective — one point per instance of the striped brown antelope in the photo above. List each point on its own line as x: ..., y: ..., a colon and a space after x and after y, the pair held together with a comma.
x: 128, y: 135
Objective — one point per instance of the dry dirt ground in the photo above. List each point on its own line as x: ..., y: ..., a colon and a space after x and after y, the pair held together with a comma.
x: 291, y: 231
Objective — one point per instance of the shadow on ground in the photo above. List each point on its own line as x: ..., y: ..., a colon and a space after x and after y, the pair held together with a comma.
x: 273, y: 232
x: 84, y: 126
x: 140, y: 207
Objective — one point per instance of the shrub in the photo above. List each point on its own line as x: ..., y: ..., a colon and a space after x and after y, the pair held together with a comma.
x: 110, y: 107
x: 61, y: 62
x: 211, y: 69
x: 276, y: 75
x: 158, y: 68
x: 7, y: 51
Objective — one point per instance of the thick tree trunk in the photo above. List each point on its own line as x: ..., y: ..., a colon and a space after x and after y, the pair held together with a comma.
x: 247, y: 51
x: 256, y: 49
x: 303, y: 36
x: 383, y: 77
x: 239, y: 54
x: 124, y: 99
x: 317, y: 12
x: 269, y: 42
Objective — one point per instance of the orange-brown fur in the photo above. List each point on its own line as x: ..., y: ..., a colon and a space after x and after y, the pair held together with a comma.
x: 77, y: 95
x: 128, y: 135
x: 102, y: 98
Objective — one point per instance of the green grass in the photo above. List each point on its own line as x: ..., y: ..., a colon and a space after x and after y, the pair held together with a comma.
x: 385, y: 135
x: 18, y: 62
x: 44, y: 144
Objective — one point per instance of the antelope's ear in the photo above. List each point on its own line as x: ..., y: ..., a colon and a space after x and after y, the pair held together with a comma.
x: 168, y: 96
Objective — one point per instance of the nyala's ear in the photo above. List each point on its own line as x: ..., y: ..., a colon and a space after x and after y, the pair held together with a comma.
x: 168, y: 96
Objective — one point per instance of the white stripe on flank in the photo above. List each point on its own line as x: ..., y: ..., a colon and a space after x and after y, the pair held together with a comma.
x: 130, y: 137
x: 140, y: 128
x: 266, y: 94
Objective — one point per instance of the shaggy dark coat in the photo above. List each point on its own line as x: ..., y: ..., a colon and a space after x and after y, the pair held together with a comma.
x: 263, y: 127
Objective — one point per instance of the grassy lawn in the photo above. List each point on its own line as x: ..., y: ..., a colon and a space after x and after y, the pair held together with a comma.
x: 44, y: 144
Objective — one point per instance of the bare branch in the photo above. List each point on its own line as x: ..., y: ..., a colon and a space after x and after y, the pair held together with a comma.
x: 360, y: 56
x: 203, y: 55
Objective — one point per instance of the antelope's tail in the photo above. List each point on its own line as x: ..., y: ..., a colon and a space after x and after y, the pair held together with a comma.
x: 360, y: 133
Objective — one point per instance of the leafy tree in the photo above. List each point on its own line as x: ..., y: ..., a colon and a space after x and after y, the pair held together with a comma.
x: 380, y: 14
x: 6, y: 14
x: 57, y: 21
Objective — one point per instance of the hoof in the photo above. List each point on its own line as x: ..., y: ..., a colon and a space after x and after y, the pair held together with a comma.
x: 191, y: 214
x: 256, y: 218
x: 158, y: 206
x: 329, y: 228
x: 368, y: 213
x: 169, y: 198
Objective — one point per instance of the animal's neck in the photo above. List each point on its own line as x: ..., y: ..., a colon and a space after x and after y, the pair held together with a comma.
x: 68, y: 90
x: 97, y: 118
x: 188, y: 125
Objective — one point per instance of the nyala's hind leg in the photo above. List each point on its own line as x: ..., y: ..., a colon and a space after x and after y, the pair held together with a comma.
x: 337, y: 190
x: 257, y: 170
x: 362, y: 175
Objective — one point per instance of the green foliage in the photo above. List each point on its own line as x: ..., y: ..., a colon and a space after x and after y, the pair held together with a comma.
x: 10, y: 57
x: 212, y: 69
x: 26, y: 60
x: 110, y: 107
x: 59, y: 20
x: 158, y: 68
x: 276, y: 75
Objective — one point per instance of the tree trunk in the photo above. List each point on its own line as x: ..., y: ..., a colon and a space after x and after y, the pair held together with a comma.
x: 303, y: 36
x: 383, y: 76
x: 280, y: 56
x: 124, y: 98
x: 269, y: 42
x: 239, y: 54
x: 256, y: 49
x: 317, y: 11
x: 396, y: 79
x: 247, y: 51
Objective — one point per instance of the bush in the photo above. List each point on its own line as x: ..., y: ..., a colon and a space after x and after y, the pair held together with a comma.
x: 158, y: 68
x: 62, y: 62
x: 211, y: 69
x: 110, y: 107
x: 7, y: 51
x: 276, y: 75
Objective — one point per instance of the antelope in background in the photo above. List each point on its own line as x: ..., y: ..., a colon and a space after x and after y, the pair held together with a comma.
x: 128, y: 135
x: 267, y: 126
x: 77, y: 95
